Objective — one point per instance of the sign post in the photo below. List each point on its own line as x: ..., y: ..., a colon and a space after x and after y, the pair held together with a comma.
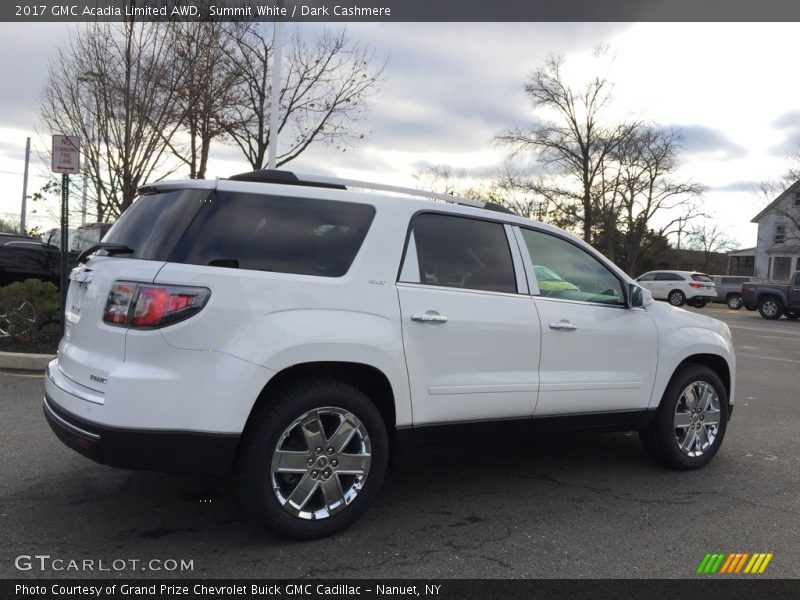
x: 66, y: 160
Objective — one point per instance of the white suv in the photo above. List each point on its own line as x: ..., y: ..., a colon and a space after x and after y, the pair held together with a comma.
x: 680, y: 287
x: 294, y: 332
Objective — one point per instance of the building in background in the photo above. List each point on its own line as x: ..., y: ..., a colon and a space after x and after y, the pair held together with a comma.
x: 777, y: 251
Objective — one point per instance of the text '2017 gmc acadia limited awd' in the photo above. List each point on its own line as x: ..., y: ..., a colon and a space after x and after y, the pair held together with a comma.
x: 294, y: 331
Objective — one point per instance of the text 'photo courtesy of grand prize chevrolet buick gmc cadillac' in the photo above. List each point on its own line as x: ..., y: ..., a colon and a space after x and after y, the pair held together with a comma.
x: 294, y: 331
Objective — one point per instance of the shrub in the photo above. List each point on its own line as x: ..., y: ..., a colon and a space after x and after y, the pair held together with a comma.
x: 25, y: 306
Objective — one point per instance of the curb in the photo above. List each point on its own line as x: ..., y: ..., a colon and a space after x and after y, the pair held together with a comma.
x: 21, y: 361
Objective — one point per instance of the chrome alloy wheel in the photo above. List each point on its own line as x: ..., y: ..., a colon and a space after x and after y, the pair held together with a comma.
x: 697, y: 416
x: 321, y: 463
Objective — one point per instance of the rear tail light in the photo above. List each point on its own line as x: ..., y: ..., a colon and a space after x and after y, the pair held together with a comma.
x: 695, y: 285
x: 147, y: 306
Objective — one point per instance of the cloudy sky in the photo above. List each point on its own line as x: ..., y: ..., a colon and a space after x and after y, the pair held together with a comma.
x: 450, y: 88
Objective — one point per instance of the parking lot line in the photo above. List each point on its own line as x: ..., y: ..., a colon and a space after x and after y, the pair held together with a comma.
x: 26, y: 375
x: 768, y: 357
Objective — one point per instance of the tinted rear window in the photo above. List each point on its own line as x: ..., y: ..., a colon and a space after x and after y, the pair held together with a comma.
x: 703, y: 278
x: 153, y: 223
x: 274, y: 233
x: 247, y: 231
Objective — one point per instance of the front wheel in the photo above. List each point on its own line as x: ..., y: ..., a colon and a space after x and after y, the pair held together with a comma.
x: 770, y: 308
x: 734, y: 302
x: 313, y: 461
x: 676, y: 298
x: 691, y: 420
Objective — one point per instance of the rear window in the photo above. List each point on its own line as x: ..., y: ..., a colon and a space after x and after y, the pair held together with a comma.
x: 703, y: 278
x: 153, y: 224
x: 302, y: 236
x: 273, y: 233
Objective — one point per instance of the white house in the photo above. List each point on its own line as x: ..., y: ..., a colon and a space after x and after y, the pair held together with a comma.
x: 777, y: 251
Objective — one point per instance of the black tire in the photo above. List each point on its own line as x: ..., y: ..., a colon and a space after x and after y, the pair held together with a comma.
x: 734, y: 301
x: 276, y: 430
x: 676, y: 298
x: 770, y: 308
x: 671, y: 445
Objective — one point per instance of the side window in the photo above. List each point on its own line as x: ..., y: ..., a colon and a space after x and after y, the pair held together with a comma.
x: 566, y: 271
x: 459, y: 252
x: 668, y: 277
x: 304, y: 236
x: 647, y: 277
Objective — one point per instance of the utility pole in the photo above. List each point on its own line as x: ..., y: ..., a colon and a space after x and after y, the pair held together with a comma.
x: 276, y: 92
x: 24, y: 212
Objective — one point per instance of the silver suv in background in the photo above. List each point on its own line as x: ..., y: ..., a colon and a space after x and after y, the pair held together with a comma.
x: 680, y: 287
x: 729, y: 289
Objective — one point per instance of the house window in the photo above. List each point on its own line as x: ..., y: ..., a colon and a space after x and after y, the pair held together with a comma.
x: 780, y: 233
x: 797, y: 199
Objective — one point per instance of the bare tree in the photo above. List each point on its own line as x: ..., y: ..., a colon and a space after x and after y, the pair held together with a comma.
x: 650, y: 203
x: 123, y: 76
x: 325, y: 90
x: 710, y: 239
x: 574, y: 146
x: 209, y: 91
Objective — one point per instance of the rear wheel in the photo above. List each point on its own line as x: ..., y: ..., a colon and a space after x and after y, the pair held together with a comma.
x: 313, y: 462
x: 676, y: 298
x: 734, y: 302
x: 691, y: 420
x: 770, y: 308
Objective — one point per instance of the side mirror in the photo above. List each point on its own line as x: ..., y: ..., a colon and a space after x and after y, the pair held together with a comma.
x: 638, y: 296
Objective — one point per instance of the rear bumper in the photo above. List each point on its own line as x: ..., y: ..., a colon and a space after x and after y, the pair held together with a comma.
x: 143, y: 449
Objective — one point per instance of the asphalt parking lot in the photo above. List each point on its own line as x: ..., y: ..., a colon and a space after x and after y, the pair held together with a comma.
x: 564, y: 506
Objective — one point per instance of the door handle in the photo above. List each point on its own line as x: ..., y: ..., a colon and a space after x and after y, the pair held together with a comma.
x: 563, y: 325
x: 429, y: 318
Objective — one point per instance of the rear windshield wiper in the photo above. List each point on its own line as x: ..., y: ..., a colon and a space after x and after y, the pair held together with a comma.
x: 107, y: 246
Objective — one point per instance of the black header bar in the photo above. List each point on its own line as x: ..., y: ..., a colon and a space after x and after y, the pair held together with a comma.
x: 402, y: 10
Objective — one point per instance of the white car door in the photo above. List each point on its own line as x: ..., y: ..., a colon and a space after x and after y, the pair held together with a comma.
x: 470, y: 334
x: 598, y: 355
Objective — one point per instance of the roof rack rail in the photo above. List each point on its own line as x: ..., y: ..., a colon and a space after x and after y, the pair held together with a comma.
x: 304, y: 179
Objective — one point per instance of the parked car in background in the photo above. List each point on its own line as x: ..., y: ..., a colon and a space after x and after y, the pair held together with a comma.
x: 23, y: 257
x: 729, y: 289
x: 773, y: 299
x: 680, y: 287
x: 89, y: 234
x: 52, y: 237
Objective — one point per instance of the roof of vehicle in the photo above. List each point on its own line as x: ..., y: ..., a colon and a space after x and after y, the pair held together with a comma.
x: 674, y: 271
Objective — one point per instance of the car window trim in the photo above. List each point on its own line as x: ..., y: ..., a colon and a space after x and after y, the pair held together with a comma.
x: 526, y: 252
